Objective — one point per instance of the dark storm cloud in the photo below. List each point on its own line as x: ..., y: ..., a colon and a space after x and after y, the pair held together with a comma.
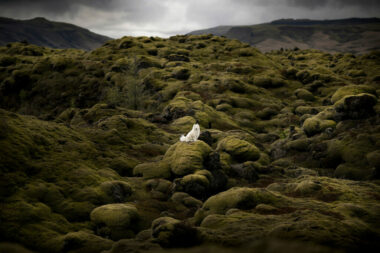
x: 55, y: 6
x: 116, y: 18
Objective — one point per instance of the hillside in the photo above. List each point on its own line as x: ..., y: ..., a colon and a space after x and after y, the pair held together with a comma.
x: 355, y: 35
x: 288, y: 158
x: 42, y: 32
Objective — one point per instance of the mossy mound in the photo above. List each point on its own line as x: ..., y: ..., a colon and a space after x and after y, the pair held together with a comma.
x: 115, y: 220
x: 170, y: 232
x: 240, y: 150
x: 320, y: 216
x: 241, y: 198
x: 83, y: 241
x: 197, y: 184
x: 352, y: 171
x: 186, y: 200
x: 183, y: 124
x: 356, y: 106
x: 374, y: 159
x: 152, y: 170
x: 314, y: 125
x: 159, y: 188
x: 304, y: 94
x: 207, y: 116
x: 117, y: 191
x: 352, y: 90
x: 185, y: 158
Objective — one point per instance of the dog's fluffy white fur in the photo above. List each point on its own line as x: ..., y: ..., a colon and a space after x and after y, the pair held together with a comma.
x: 192, y: 135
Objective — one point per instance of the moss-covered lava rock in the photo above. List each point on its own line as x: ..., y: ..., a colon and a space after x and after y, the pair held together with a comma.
x: 115, y: 220
x: 91, y: 160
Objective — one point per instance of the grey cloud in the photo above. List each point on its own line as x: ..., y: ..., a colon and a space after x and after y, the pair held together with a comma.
x: 55, y: 6
x: 317, y: 4
x: 116, y: 18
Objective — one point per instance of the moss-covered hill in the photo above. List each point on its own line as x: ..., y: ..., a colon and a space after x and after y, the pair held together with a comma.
x: 288, y: 157
x: 354, y: 35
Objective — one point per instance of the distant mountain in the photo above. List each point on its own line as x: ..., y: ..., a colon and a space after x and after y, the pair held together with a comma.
x: 355, y: 35
x: 42, y: 32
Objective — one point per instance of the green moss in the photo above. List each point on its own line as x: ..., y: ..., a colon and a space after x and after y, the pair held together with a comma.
x: 242, y: 198
x: 356, y: 73
x: 84, y: 148
x: 183, y: 124
x: 314, y: 125
x: 83, y: 241
x: 126, y: 42
x: 197, y: 184
x: 159, y: 188
x: 115, y: 220
x: 186, y: 200
x: 152, y: 170
x: 301, y: 110
x: 162, y: 229
x: 206, y: 115
x: 352, y: 90
x: 239, y: 149
x: 268, y: 82
x: 304, y: 94
x: 373, y: 158
x: 298, y: 145
x: 356, y: 106
x: 170, y: 232
x: 352, y: 171
x: 116, y: 191
x: 184, y: 158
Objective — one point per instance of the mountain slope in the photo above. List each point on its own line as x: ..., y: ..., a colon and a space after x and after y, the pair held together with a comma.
x: 42, y: 32
x: 353, y: 35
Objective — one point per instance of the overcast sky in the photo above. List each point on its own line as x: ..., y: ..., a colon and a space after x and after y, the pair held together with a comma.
x: 116, y: 18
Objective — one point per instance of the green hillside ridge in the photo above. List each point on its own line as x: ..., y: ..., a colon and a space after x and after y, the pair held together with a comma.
x: 355, y: 35
x: 288, y: 158
x: 42, y: 32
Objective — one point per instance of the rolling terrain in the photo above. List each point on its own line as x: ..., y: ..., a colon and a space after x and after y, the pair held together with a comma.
x: 355, y: 35
x: 42, y: 32
x: 90, y: 159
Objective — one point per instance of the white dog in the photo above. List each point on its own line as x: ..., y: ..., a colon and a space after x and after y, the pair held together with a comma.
x: 192, y: 135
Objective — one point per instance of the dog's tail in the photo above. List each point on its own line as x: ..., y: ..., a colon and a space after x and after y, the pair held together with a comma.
x: 182, y: 138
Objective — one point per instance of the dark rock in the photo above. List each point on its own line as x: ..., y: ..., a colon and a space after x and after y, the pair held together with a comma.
x: 212, y: 162
x: 193, y: 185
x: 157, y: 118
x: 181, y: 73
x: 218, y: 182
x: 206, y: 137
x: 177, y: 57
x: 277, y: 150
x: 326, y: 102
x: 376, y: 173
x: 118, y: 191
x: 292, y: 131
x: 267, y: 113
x: 172, y: 113
x: 355, y: 107
x: 219, y: 178
x: 267, y: 138
x: 246, y: 171
x: 126, y: 44
x: 172, y: 233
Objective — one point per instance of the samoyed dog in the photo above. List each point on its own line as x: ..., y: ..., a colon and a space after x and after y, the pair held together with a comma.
x: 192, y: 135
